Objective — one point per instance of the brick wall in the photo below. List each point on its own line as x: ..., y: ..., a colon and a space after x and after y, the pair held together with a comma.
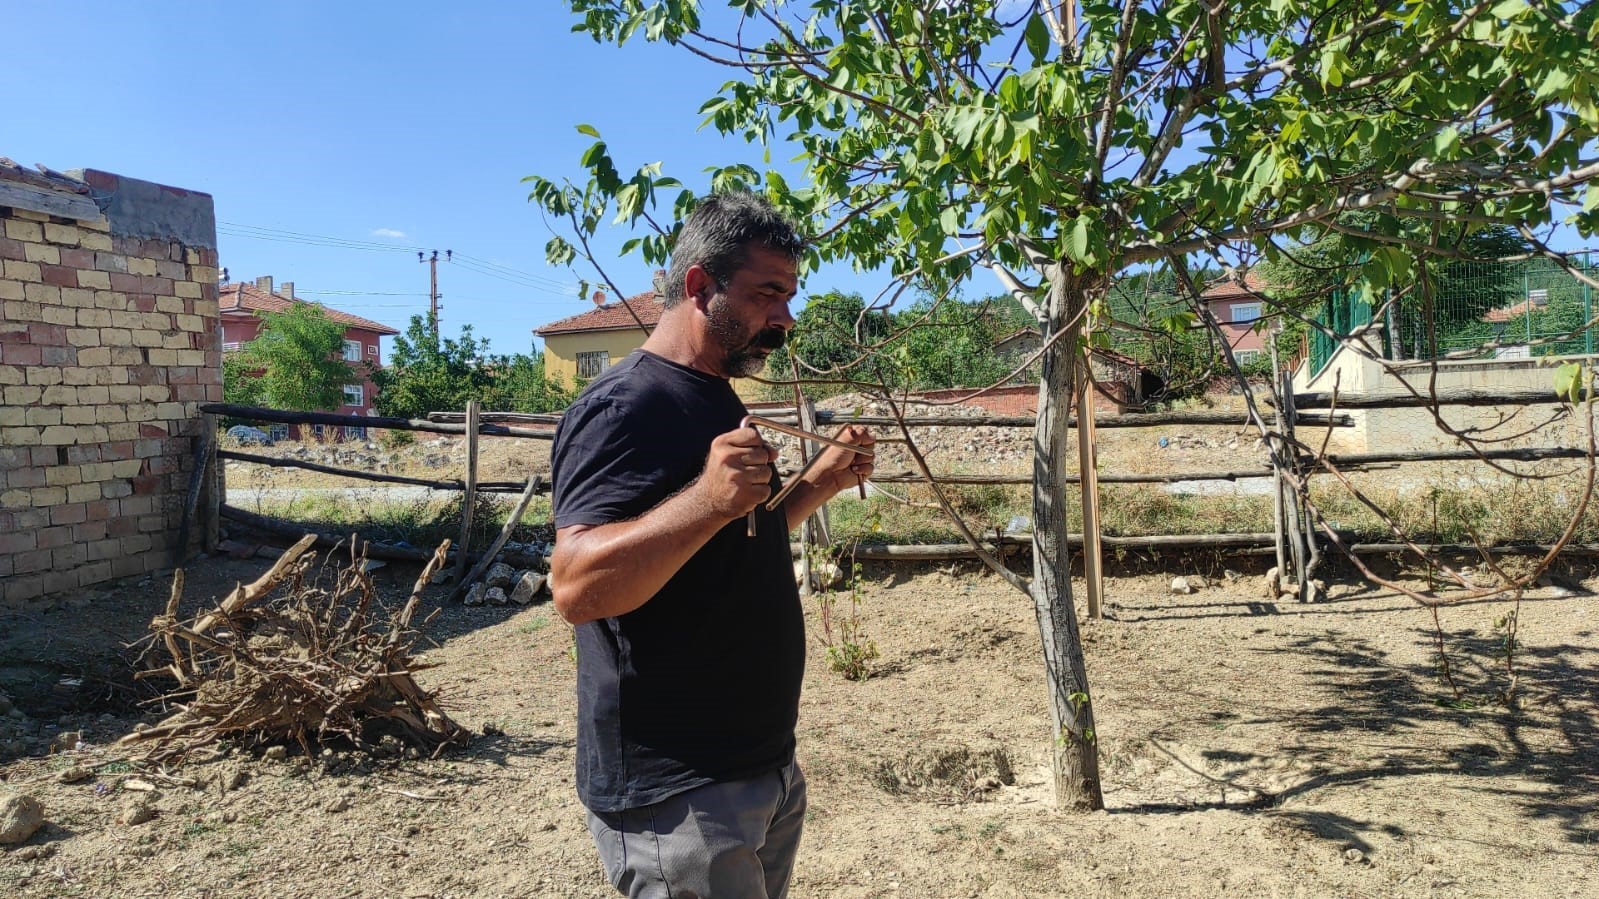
x: 109, y: 342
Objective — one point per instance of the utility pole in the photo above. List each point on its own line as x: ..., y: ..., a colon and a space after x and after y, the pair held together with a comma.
x: 433, y: 289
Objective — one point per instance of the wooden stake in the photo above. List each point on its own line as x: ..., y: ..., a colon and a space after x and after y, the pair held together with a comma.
x: 500, y: 541
x: 469, y: 498
x: 1088, y: 472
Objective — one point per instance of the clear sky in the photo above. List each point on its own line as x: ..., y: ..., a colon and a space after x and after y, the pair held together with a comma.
x: 397, y: 125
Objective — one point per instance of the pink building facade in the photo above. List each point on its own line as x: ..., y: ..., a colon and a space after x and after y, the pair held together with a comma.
x: 240, y: 304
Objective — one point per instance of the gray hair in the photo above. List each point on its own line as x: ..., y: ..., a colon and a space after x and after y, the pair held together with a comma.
x: 717, y: 235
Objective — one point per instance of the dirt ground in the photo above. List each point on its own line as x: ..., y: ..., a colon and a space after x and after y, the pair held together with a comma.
x: 1249, y: 748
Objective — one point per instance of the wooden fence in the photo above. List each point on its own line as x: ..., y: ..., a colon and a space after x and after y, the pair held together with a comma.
x: 472, y: 423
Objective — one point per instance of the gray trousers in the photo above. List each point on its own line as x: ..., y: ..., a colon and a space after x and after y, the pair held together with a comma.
x: 734, y: 840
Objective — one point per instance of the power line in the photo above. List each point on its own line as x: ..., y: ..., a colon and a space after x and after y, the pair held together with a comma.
x: 482, y: 267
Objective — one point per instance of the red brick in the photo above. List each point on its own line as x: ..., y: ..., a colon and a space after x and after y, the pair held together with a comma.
x: 31, y: 561
x: 11, y: 249
x: 150, y: 432
x: 71, y: 513
x: 59, y: 275
x: 119, y: 451
x: 122, y: 282
x: 46, y: 455
x: 100, y: 510
x: 41, y: 334
x: 21, y: 354
x: 186, y: 374
x: 161, y: 287
x: 144, y: 375
x: 25, y: 477
x: 209, y: 291
x: 122, y: 527
x: 142, y: 302
x: 54, y: 537
x: 31, y: 519
x: 89, y: 531
x: 18, y: 542
x: 184, y: 393
x: 145, y: 485
x: 82, y: 260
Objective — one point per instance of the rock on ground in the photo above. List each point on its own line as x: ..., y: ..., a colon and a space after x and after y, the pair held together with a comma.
x: 20, y: 816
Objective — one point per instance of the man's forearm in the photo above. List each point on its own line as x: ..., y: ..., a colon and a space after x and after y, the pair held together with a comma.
x: 612, y: 569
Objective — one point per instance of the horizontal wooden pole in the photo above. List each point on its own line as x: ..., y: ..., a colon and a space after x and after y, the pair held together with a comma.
x: 1400, y: 399
x: 1529, y: 454
x: 386, y: 551
x: 1126, y: 420
x: 491, y: 486
x: 284, y: 416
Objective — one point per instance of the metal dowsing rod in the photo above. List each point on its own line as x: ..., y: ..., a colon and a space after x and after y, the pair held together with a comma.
x: 790, y: 430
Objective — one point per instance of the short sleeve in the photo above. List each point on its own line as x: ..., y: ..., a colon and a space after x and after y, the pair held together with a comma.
x: 603, y: 466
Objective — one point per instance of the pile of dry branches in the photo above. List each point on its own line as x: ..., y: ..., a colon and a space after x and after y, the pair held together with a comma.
x: 308, y: 664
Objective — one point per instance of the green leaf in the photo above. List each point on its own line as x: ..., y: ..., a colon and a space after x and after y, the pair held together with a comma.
x: 1077, y: 240
x: 1037, y: 37
x: 1445, y: 142
x: 1568, y: 382
x: 590, y: 130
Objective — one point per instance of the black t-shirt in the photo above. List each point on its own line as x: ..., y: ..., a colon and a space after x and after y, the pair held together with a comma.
x: 702, y: 682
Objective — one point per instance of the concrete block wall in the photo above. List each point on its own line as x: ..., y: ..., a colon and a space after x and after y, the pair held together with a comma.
x: 1414, y: 430
x: 109, y: 342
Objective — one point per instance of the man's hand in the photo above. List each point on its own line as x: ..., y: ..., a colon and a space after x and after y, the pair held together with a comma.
x: 840, y: 469
x: 738, y: 473
x: 835, y: 470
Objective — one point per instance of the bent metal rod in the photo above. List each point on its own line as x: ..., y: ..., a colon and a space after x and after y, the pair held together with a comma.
x: 757, y: 421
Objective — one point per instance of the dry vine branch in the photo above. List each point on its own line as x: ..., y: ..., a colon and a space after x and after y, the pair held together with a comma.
x: 308, y: 664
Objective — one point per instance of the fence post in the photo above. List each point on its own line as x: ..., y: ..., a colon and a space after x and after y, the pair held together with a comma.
x: 469, y: 498
x: 1088, y: 480
x: 1587, y: 304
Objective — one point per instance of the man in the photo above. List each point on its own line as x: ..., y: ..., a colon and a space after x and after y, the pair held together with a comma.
x: 690, y: 634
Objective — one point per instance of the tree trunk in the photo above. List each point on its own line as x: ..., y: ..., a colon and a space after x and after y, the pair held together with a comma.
x: 1076, y: 751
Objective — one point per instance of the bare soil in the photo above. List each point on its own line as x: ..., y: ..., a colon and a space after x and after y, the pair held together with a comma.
x: 1248, y: 748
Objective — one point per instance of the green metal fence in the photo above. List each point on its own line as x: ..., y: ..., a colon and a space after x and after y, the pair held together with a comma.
x: 1507, y: 310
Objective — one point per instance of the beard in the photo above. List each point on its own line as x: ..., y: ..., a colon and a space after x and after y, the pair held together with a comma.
x: 744, y: 353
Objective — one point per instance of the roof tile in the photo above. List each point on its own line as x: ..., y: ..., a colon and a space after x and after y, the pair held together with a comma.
x: 610, y: 317
x: 242, y: 297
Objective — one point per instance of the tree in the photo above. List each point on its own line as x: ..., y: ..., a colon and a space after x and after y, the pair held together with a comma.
x: 1061, y: 144
x: 430, y: 374
x: 519, y: 384
x: 295, y: 362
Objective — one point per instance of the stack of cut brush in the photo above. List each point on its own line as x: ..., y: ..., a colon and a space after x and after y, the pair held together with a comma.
x: 309, y: 664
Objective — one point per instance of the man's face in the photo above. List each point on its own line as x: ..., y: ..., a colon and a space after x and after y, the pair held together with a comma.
x: 750, y: 318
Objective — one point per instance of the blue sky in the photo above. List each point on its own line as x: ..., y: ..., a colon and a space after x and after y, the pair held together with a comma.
x: 394, y: 124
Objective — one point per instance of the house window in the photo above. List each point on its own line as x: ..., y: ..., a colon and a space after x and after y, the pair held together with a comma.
x: 278, y: 432
x: 354, y: 395
x: 589, y: 365
x: 354, y: 433
x: 229, y: 346
x: 372, y: 350
x: 1245, y: 357
x: 1245, y: 313
x: 352, y: 351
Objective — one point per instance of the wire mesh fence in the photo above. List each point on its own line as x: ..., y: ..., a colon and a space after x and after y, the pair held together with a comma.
x: 1505, y: 310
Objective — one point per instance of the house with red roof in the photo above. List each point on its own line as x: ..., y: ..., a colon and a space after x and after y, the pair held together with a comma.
x: 1238, y: 305
x: 240, y: 305
x: 579, y: 347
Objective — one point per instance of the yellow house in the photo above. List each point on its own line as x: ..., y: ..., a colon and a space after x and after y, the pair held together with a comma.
x: 578, y: 348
